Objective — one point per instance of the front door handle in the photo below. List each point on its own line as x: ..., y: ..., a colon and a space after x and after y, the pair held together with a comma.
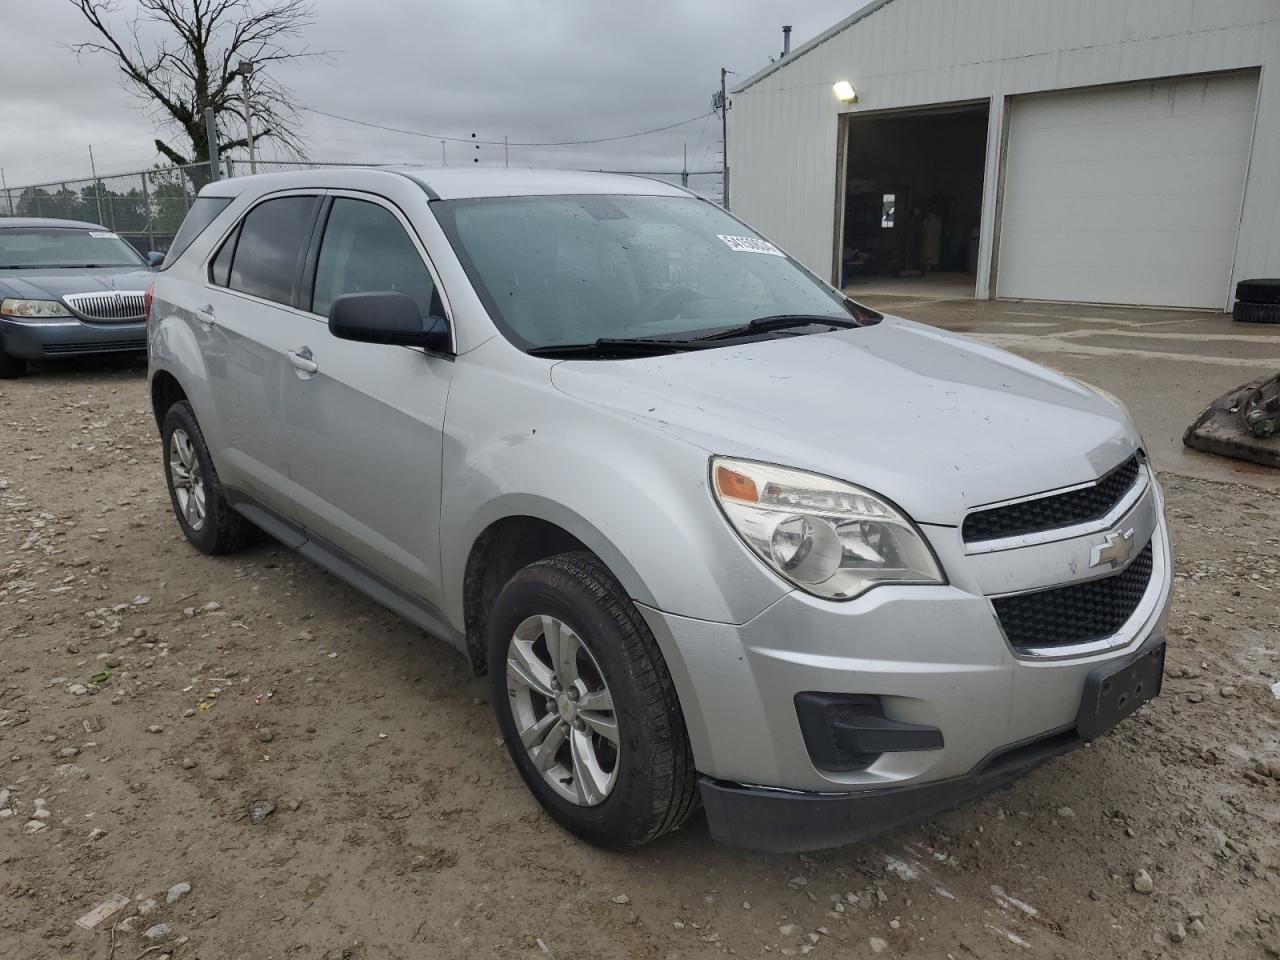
x: 303, y: 361
x: 206, y: 315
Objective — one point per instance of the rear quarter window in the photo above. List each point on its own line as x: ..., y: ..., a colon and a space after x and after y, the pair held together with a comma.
x: 202, y: 213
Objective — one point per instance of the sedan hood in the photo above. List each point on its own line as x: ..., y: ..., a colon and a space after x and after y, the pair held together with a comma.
x: 53, y: 284
x: 933, y: 421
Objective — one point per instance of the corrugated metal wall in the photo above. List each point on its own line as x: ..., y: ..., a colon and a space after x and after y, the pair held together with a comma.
x: 783, y: 128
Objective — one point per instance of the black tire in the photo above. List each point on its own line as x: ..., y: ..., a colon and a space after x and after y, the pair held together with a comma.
x: 222, y: 530
x: 1258, y: 291
x: 1256, y: 312
x: 11, y: 367
x: 656, y: 787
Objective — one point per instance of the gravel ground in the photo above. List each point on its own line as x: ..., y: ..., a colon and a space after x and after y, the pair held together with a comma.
x: 329, y: 782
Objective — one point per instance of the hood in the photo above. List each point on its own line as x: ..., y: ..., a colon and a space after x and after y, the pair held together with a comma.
x: 53, y: 284
x: 935, y: 422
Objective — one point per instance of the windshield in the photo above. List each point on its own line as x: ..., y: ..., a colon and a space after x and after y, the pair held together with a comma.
x: 64, y: 248
x: 574, y: 269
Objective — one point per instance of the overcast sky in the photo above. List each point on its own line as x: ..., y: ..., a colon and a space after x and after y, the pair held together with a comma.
x: 535, y: 70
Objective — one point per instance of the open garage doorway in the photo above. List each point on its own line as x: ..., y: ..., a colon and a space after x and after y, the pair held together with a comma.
x: 913, y: 202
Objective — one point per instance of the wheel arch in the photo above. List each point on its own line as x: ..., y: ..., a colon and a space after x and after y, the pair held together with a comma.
x: 165, y: 392
x: 515, y: 540
x: 517, y: 537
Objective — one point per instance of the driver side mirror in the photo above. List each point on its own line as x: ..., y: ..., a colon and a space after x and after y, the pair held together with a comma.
x: 154, y: 259
x: 388, y: 318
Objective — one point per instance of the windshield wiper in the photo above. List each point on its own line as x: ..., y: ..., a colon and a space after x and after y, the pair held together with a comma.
x: 783, y: 321
x: 612, y: 347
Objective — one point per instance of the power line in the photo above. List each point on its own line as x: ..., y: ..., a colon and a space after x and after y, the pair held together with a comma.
x: 499, y: 143
x: 698, y: 146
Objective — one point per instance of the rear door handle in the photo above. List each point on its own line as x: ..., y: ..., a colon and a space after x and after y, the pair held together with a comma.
x: 303, y: 361
x: 206, y: 315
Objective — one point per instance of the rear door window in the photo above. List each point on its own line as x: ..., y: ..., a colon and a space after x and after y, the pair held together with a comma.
x: 267, y: 256
x: 367, y: 250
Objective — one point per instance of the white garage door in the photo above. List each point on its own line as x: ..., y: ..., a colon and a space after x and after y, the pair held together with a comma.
x: 1126, y: 194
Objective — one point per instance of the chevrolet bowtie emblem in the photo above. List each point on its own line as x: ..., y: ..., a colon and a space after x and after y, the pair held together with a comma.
x: 1114, y: 550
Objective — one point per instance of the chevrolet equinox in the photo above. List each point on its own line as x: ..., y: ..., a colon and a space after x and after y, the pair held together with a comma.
x: 717, y: 534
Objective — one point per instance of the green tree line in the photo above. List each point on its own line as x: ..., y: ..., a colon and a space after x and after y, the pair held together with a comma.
x: 157, y: 208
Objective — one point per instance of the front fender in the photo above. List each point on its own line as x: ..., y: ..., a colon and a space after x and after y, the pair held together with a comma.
x: 634, y: 494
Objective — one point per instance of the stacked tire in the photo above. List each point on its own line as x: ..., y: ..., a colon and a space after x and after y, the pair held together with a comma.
x: 1257, y: 301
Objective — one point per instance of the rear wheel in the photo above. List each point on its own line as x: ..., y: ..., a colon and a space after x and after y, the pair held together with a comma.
x: 195, y: 491
x: 10, y: 367
x: 586, y: 704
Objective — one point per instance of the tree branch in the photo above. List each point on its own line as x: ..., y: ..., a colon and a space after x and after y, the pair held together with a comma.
x: 183, y: 67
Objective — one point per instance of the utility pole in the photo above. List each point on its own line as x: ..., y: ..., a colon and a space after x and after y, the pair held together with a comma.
x: 245, y: 71
x: 94, y: 170
x: 444, y: 157
x: 684, y: 169
x: 506, y: 152
x: 8, y: 197
x: 211, y: 131
x: 724, y: 139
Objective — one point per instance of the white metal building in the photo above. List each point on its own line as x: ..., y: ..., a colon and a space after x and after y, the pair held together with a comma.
x: 1102, y: 151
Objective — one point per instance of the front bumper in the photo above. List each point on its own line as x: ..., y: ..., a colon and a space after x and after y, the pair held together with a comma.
x: 70, y: 337
x: 789, y: 821
x: 933, y: 657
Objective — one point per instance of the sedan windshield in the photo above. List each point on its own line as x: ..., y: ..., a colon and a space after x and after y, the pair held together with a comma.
x: 558, y: 270
x: 64, y: 248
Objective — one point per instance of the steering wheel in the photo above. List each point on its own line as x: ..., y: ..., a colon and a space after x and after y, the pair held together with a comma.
x: 670, y: 301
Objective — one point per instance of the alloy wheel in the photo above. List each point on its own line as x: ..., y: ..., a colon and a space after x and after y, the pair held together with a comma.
x: 563, y: 710
x: 187, y: 479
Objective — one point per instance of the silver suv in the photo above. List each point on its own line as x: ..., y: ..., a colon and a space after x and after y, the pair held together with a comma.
x: 715, y: 532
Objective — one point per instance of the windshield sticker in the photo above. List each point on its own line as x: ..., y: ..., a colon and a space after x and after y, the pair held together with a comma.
x: 99, y: 235
x: 750, y: 245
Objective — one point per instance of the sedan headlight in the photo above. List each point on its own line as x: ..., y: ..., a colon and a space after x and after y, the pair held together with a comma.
x: 827, y: 537
x: 33, y: 309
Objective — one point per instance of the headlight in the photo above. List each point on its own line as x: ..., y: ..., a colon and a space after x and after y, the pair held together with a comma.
x: 33, y: 309
x: 827, y: 537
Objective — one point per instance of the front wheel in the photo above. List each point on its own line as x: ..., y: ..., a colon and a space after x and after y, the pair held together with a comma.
x: 586, y: 704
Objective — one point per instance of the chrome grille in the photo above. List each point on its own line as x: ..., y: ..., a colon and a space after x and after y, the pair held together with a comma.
x: 108, y: 305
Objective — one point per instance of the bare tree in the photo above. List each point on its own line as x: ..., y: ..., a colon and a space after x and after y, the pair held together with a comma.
x: 177, y: 56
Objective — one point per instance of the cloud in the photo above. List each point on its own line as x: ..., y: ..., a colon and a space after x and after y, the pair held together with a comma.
x: 534, y: 70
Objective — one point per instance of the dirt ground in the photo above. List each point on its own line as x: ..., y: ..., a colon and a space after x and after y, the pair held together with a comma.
x: 401, y: 830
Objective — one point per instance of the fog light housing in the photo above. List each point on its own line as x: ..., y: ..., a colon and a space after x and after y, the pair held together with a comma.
x: 846, y: 732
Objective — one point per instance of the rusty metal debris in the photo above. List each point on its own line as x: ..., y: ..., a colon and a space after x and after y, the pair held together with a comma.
x: 1243, y: 423
x: 1262, y: 409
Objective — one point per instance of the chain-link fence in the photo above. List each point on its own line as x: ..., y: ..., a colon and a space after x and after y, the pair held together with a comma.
x: 146, y: 207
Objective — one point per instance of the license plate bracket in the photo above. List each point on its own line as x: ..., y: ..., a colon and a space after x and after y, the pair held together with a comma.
x: 1113, y: 691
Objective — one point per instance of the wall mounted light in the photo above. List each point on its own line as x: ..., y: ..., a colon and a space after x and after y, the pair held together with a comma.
x: 844, y: 91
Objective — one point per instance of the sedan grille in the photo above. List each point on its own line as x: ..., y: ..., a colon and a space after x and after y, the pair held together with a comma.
x: 110, y: 305
x: 1076, y: 613
x: 1056, y: 510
